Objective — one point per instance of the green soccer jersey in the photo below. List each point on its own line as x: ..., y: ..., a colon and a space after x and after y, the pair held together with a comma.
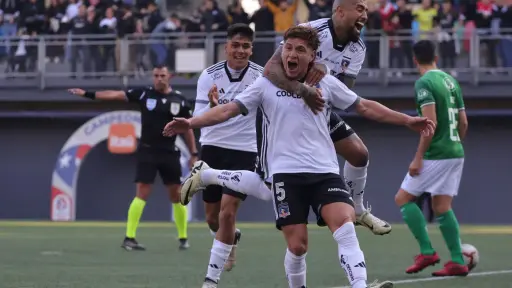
x: 439, y: 88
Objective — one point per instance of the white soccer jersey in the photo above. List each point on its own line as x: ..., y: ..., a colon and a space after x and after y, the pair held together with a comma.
x: 238, y: 133
x: 296, y: 140
x: 342, y: 60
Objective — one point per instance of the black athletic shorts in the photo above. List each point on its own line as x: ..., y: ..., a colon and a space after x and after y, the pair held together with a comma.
x: 338, y: 128
x: 295, y: 193
x: 151, y: 161
x: 225, y: 159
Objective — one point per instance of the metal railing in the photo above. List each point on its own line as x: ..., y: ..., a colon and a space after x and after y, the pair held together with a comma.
x: 58, y: 60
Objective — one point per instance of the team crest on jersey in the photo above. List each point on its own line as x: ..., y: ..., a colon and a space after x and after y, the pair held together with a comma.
x: 150, y: 104
x: 422, y: 94
x: 175, y: 108
x: 344, y: 64
x: 283, y: 210
x: 164, y: 100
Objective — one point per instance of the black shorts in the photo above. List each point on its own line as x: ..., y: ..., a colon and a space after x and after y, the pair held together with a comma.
x: 295, y: 193
x: 338, y: 128
x: 225, y: 159
x: 166, y: 163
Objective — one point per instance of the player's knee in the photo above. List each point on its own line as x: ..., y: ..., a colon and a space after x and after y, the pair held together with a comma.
x: 441, y: 204
x: 353, y: 151
x: 298, y: 246
x: 360, y: 157
x: 143, y: 191
x: 402, y: 198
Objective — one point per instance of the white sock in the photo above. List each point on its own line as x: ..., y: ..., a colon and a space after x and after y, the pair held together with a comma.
x: 350, y: 255
x: 242, y: 181
x: 219, y: 255
x: 295, y: 267
x: 355, y: 177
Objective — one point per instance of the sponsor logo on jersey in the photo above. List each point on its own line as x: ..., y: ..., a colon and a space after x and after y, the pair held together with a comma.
x: 175, y: 108
x: 150, y: 104
x: 283, y: 93
x: 122, y: 138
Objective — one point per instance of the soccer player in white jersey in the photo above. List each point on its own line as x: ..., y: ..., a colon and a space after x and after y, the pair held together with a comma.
x: 301, y: 156
x: 228, y: 145
x: 342, y: 52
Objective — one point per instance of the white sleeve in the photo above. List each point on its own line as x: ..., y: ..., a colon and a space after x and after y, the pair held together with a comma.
x: 356, y: 63
x: 204, y: 84
x: 339, y: 95
x: 252, y: 97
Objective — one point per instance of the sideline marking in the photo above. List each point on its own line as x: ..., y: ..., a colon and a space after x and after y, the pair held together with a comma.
x: 430, y: 279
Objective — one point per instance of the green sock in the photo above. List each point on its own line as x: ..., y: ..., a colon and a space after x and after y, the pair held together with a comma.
x: 134, y: 214
x: 450, y: 229
x: 180, y: 219
x: 416, y: 222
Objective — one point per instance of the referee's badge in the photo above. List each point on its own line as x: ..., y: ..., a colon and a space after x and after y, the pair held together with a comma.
x: 150, y: 104
x: 175, y: 108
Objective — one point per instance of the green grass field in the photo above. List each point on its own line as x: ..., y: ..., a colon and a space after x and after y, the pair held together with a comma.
x: 88, y: 255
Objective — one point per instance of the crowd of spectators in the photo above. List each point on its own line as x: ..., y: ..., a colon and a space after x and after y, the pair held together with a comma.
x: 90, y: 30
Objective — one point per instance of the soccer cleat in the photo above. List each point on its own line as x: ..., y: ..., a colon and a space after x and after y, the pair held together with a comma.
x: 376, y: 225
x: 385, y: 284
x: 192, y: 184
x: 452, y: 269
x: 421, y: 262
x: 130, y: 244
x: 231, y: 262
x: 209, y: 283
x: 184, y: 244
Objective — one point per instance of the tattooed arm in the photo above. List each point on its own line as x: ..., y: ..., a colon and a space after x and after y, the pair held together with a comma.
x: 274, y: 72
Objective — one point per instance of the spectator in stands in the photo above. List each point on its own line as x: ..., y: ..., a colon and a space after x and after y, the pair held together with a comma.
x: 140, y: 49
x: 371, y: 32
x: 506, y: 31
x: 263, y: 20
x: 80, y: 48
x: 425, y: 15
x: 483, y: 21
x: 213, y: 18
x: 284, y: 14
x: 32, y: 16
x: 237, y: 13
x: 125, y: 26
x: 319, y: 9
x: 54, y: 14
x: 391, y: 27
x: 108, y: 26
x: 160, y: 51
x: 10, y: 10
x: 154, y: 16
x: 446, y: 21
x: 405, y: 19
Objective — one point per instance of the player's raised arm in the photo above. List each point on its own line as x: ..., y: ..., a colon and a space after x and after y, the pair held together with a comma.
x: 245, y: 102
x: 344, y: 98
x: 108, y: 95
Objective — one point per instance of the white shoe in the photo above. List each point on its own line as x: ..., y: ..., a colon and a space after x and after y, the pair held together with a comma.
x: 211, y: 284
x: 193, y: 183
x: 376, y: 225
x: 385, y: 284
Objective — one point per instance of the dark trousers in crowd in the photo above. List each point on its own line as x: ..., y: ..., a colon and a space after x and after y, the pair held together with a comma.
x: 448, y: 54
x: 265, y: 50
x: 373, y: 53
x: 425, y: 204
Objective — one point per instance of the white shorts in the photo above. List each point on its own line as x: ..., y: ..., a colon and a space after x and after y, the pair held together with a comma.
x: 438, y: 177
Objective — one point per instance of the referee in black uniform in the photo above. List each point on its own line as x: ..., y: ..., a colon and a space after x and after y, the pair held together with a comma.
x: 158, y: 105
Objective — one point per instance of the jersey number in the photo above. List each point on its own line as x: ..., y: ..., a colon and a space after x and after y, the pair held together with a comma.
x: 279, y: 190
x: 453, y: 116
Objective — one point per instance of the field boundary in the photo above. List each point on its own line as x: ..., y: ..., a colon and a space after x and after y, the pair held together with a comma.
x: 431, y: 279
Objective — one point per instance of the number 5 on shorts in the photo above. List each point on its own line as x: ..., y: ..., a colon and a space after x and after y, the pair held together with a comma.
x: 279, y: 190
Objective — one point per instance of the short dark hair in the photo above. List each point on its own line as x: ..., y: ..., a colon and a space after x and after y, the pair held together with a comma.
x: 240, y: 29
x: 305, y: 33
x: 160, y: 66
x: 424, y: 52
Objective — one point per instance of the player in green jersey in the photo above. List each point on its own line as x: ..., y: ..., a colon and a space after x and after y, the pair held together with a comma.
x: 437, y: 165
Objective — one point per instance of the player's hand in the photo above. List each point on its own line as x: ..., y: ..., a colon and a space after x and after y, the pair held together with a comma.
x: 415, y: 167
x: 313, y: 98
x: 315, y: 74
x: 192, y: 161
x: 213, y: 96
x: 176, y: 126
x: 422, y: 125
x: 77, y: 91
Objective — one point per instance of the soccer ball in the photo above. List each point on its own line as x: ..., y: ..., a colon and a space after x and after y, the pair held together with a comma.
x: 471, y: 256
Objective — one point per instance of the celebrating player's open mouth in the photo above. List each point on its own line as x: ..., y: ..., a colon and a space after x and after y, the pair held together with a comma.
x: 359, y: 26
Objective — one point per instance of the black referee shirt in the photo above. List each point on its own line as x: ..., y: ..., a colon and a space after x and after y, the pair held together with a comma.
x: 157, y: 109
